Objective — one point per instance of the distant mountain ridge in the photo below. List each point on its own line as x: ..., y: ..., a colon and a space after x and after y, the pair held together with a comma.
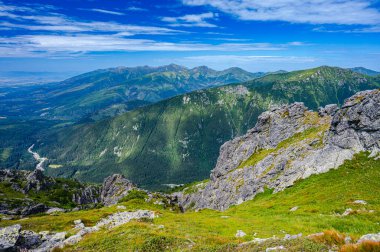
x: 366, y: 71
x: 107, y: 92
x: 177, y: 140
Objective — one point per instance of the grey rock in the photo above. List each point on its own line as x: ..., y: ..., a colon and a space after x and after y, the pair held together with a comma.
x: 240, y: 234
x: 34, y: 209
x: 348, y: 211
x: 294, y: 209
x: 370, y: 237
x: 29, y: 239
x: 277, y: 248
x: 88, y: 195
x: 38, y: 181
x: 112, y: 221
x: 328, y: 110
x: 361, y: 202
x: 74, y: 239
x: 121, y: 218
x: 55, y: 210
x: 292, y: 237
x: 342, y: 133
x: 50, y: 242
x: 114, y: 188
x: 9, y: 236
x: 78, y: 224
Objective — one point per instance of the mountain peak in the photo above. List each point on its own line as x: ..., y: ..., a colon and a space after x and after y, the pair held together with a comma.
x: 173, y: 68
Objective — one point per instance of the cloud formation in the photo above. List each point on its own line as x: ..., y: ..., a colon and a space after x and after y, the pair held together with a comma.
x: 45, y: 45
x: 191, y: 20
x: 106, y: 12
x: 344, y: 12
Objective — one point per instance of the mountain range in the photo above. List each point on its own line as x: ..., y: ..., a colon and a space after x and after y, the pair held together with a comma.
x: 107, y: 92
x: 177, y: 140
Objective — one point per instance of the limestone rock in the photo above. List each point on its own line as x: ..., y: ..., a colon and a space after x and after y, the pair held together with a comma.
x: 361, y: 202
x: 34, y: 209
x: 121, y: 218
x: 288, y: 143
x: 36, y: 180
x: 29, y: 239
x: 9, y: 236
x: 114, y: 188
x: 277, y: 248
x: 240, y: 234
x: 370, y: 237
x: 293, y: 209
x: 88, y: 195
x: 54, y: 210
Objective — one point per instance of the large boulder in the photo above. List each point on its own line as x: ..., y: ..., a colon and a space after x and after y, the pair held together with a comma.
x: 9, y: 237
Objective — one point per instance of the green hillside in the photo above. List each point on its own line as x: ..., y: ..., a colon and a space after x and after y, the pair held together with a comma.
x: 321, y: 199
x: 177, y: 140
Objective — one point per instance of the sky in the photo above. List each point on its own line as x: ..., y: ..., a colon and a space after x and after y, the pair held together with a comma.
x: 73, y: 36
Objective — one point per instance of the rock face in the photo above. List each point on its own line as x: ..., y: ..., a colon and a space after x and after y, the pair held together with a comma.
x: 88, y: 195
x: 114, y: 188
x: 288, y: 143
x: 38, y: 181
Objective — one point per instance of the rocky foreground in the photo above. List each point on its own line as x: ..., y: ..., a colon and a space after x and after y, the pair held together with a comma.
x: 13, y: 238
x: 287, y: 144
x: 37, y: 190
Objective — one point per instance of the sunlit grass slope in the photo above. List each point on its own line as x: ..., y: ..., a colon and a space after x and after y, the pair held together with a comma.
x: 321, y: 199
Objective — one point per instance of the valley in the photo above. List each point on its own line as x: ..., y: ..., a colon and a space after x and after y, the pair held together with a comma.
x: 190, y: 125
x: 283, y: 175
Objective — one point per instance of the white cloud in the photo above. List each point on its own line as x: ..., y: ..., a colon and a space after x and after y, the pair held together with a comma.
x: 133, y: 8
x: 106, y: 12
x: 52, y: 45
x: 248, y: 58
x: 26, y: 18
x: 368, y: 29
x: 344, y: 12
x: 192, y: 20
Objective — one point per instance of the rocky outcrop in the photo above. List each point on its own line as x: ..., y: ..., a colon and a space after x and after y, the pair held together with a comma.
x: 288, y: 143
x: 110, y: 192
x: 12, y: 238
x: 38, y: 181
x: 114, y: 188
x: 88, y: 195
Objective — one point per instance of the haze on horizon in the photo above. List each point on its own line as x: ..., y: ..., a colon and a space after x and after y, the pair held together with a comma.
x: 78, y: 36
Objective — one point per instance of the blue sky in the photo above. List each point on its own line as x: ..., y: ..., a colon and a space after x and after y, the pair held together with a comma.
x: 78, y: 36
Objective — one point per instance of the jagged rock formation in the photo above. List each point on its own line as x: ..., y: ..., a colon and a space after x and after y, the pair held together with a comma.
x: 114, y: 188
x: 26, y: 184
x: 289, y: 143
x: 88, y: 195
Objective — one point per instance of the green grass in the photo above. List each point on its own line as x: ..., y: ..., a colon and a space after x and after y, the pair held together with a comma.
x: 319, y: 198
